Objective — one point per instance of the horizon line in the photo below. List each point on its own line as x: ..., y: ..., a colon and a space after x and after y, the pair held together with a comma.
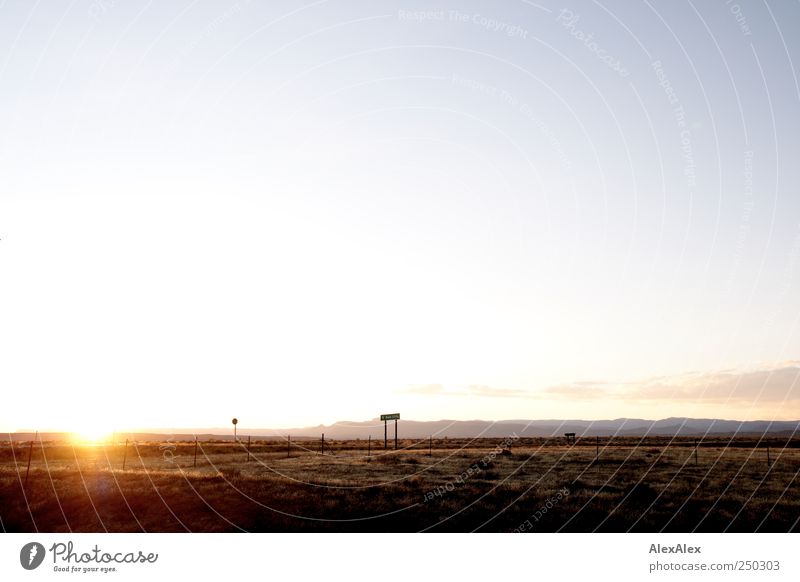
x: 345, y: 423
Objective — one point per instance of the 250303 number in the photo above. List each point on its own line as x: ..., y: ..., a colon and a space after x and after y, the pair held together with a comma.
x: 758, y: 565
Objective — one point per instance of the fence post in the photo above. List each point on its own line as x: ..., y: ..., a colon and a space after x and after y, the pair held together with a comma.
x: 195, y: 452
x: 248, y: 449
x: 30, y: 454
x: 288, y: 445
x: 125, y: 454
x: 369, y: 446
x: 430, y: 446
x: 323, y: 443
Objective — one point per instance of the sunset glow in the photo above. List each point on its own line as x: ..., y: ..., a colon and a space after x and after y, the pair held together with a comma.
x: 95, y: 436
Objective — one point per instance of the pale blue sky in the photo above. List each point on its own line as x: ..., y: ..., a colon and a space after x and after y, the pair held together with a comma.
x: 321, y: 209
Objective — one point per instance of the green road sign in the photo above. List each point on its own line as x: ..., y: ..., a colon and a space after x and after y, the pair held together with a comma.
x: 395, y: 416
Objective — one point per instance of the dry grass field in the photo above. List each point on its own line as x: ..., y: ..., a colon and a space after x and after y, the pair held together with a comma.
x: 638, y: 484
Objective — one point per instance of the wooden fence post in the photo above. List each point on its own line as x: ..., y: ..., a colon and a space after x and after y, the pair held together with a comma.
x: 30, y: 454
x: 288, y: 445
x: 195, y: 452
x: 248, y: 449
x: 125, y: 454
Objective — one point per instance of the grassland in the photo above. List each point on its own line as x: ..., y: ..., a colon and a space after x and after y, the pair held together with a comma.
x: 648, y: 485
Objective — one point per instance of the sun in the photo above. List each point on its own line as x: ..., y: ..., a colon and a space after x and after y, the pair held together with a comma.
x: 93, y: 435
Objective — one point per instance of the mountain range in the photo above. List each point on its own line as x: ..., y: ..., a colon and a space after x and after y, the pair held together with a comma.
x: 632, y: 427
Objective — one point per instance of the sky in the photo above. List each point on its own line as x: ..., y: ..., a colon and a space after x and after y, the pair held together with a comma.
x: 306, y: 212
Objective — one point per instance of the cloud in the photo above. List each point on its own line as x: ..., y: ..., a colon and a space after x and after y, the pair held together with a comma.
x: 489, y: 391
x: 479, y: 390
x: 764, y: 385
x: 776, y: 384
x: 780, y: 383
x: 429, y: 389
x: 580, y: 390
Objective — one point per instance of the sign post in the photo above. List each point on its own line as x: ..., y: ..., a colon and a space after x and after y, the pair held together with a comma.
x: 235, y: 421
x: 385, y: 418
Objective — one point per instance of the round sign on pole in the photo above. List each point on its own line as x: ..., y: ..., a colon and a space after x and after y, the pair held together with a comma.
x: 235, y: 421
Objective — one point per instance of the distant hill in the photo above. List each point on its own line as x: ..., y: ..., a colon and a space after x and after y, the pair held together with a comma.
x: 632, y: 427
